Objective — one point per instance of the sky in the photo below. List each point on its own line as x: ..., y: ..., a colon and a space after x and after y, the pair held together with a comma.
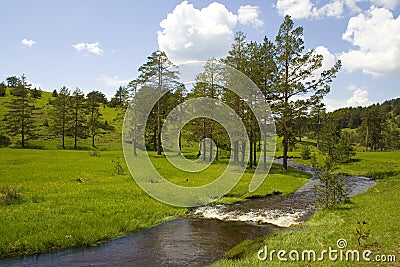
x: 100, y: 44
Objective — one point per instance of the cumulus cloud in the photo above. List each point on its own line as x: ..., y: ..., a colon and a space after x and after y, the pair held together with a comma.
x: 328, y: 60
x: 191, y: 34
x: 113, y: 81
x: 93, y: 48
x: 249, y: 15
x: 333, y: 104
x: 376, y: 36
x: 359, y: 98
x: 298, y: 9
x: 28, y: 43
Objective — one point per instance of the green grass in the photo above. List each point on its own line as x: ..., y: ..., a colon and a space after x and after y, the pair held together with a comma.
x: 378, y: 207
x: 57, y: 211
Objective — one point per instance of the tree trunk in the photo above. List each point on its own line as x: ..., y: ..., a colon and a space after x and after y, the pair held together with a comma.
x: 23, y: 132
x: 180, y: 143
x: 251, y: 151
x: 285, y: 151
x: 243, y: 153
x: 236, y: 151
x: 255, y: 154
x: 158, y: 128
x: 216, y: 154
x: 155, y: 139
x: 204, y: 149
x: 265, y: 154
x: 210, y: 158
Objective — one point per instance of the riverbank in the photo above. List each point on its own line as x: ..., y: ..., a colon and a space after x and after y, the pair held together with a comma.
x: 77, y: 198
x: 378, y: 208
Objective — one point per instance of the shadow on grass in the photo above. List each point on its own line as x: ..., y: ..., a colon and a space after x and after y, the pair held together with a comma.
x: 382, y: 174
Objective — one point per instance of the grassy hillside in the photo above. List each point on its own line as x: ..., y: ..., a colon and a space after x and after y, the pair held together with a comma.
x: 107, y: 139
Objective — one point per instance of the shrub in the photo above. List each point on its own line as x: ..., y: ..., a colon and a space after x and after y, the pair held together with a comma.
x: 330, y: 191
x: 5, y: 141
x: 10, y: 195
x: 118, y: 167
x: 306, y: 153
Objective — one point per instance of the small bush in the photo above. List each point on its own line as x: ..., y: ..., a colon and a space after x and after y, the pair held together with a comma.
x: 330, y: 192
x: 118, y: 167
x: 306, y: 153
x: 5, y: 141
x: 362, y: 232
x: 10, y: 195
x: 94, y: 153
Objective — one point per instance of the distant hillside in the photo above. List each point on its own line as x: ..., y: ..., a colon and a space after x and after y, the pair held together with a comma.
x: 352, y: 117
x: 109, y: 139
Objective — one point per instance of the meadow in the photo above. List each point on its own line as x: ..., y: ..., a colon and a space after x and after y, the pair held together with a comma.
x: 378, y: 208
x: 77, y: 198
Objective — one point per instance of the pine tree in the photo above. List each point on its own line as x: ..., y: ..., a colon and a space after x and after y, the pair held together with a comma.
x: 20, y: 115
x: 93, y: 101
x: 78, y: 110
x: 61, y: 113
x: 294, y: 77
x: 161, y: 74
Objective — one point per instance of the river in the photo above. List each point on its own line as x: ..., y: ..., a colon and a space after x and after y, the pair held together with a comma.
x: 202, y: 238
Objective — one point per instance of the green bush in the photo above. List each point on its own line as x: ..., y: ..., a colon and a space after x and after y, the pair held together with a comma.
x: 5, y: 141
x: 306, y: 153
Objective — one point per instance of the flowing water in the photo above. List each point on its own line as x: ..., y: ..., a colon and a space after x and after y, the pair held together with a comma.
x: 199, y: 240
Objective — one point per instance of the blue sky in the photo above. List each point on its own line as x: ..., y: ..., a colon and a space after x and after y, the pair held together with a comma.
x: 99, y: 45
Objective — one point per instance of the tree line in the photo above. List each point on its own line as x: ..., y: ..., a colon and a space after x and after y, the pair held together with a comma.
x: 289, y: 77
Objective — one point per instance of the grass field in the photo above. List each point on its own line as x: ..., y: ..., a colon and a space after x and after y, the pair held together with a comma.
x: 57, y: 211
x: 378, y: 207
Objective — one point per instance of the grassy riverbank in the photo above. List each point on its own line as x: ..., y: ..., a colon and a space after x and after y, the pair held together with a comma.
x: 57, y: 210
x: 378, y: 207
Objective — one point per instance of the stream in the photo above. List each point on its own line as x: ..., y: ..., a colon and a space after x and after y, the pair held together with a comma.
x: 201, y: 239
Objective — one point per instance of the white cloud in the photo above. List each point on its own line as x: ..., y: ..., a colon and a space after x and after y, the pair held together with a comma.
x: 249, y: 15
x: 332, y: 9
x: 301, y: 9
x: 298, y: 9
x: 359, y: 98
x: 90, y: 47
x: 313, y: 9
x: 191, y: 34
x: 376, y: 36
x: 389, y: 4
x: 28, y: 43
x: 333, y: 104
x: 113, y: 81
x: 328, y: 60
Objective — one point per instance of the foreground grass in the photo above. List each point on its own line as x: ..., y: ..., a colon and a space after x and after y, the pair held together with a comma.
x: 57, y: 211
x: 378, y: 207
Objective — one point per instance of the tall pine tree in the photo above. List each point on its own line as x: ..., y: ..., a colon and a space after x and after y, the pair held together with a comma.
x: 19, y: 118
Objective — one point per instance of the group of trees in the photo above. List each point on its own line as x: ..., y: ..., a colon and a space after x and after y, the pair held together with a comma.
x: 281, y: 69
x: 72, y: 114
